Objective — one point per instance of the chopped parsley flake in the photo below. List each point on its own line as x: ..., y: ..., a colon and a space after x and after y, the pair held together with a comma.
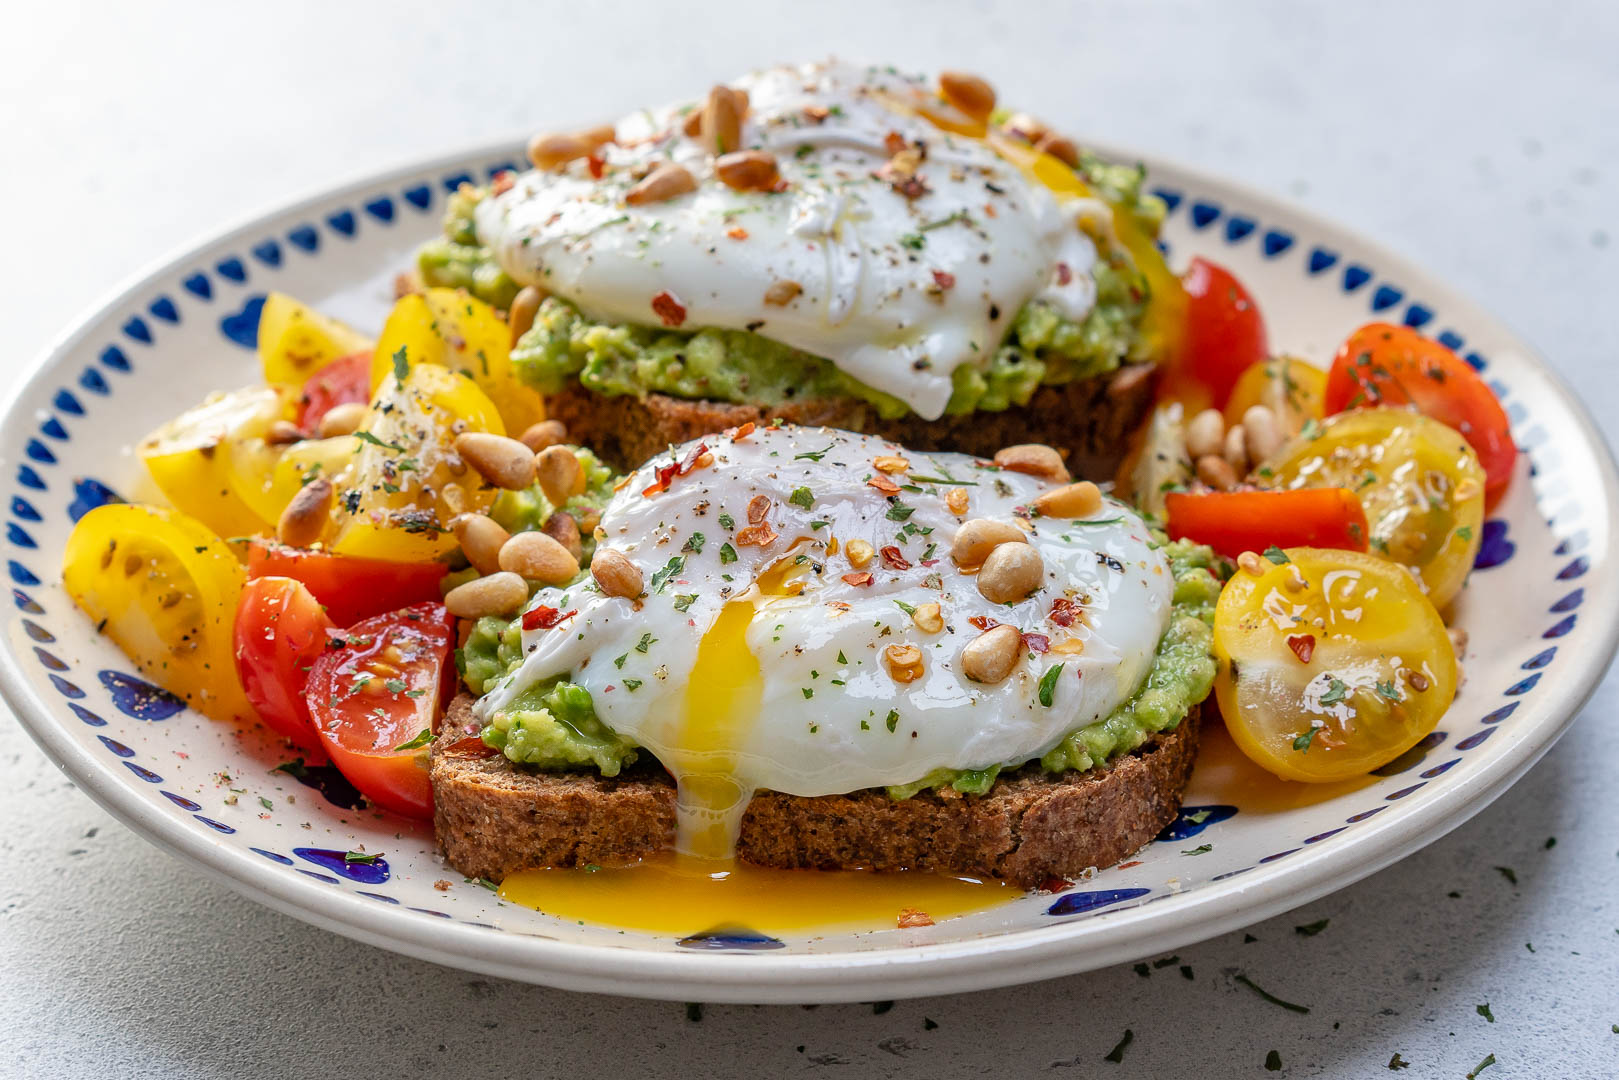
x: 646, y: 642
x: 422, y: 738
x: 727, y: 554
x: 683, y: 601
x: 660, y: 578
x: 727, y: 521
x: 1277, y: 555
x: 401, y: 364
x: 1302, y: 743
x: 1048, y: 684
x: 802, y: 496
x: 1337, y: 691
x: 694, y: 543
x: 892, y: 720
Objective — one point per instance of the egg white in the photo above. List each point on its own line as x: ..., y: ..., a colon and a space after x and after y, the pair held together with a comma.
x: 868, y: 259
x: 823, y: 724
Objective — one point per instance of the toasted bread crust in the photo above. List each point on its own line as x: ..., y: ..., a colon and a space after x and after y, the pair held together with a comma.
x: 1089, y: 419
x: 493, y: 819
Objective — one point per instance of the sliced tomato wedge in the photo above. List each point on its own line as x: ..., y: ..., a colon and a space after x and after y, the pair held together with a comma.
x: 1225, y: 333
x: 375, y: 697
x: 1384, y: 364
x: 350, y: 588
x: 1232, y: 522
x: 280, y: 632
x: 338, y: 383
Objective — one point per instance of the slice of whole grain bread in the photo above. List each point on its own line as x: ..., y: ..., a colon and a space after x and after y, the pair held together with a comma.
x: 1089, y: 419
x: 493, y: 818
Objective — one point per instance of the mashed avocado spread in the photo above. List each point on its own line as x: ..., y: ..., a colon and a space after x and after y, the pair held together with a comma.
x: 1041, y: 347
x: 553, y: 725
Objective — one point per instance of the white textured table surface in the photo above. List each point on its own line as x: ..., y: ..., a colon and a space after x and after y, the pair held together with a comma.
x: 1480, y: 139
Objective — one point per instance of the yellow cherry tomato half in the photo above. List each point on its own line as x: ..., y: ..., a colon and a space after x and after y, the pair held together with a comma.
x: 266, y: 477
x: 456, y: 330
x: 1331, y: 663
x: 397, y: 496
x: 1290, y: 388
x: 295, y: 340
x: 164, y: 588
x: 190, y: 457
x: 1418, y: 480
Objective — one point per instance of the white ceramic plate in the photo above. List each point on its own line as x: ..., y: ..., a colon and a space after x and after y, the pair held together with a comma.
x: 1538, y: 646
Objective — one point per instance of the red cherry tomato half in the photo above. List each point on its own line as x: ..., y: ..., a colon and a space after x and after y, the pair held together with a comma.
x: 1384, y: 364
x: 1225, y: 334
x: 280, y: 631
x: 374, y: 700
x: 338, y: 383
x: 1232, y: 522
x: 351, y: 588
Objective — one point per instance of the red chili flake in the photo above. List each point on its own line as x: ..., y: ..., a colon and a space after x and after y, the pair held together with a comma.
x: 1127, y: 865
x: 545, y: 618
x: 984, y: 622
x: 737, y: 434
x: 471, y: 746
x: 989, y: 209
x: 756, y: 536
x: 691, y: 459
x: 884, y: 485
x: 1303, y: 646
x: 910, y: 918
x: 944, y: 280
x: 1055, y: 884
x: 1036, y: 643
x: 861, y: 578
x: 738, y: 233
x: 1063, y: 611
x: 596, y: 165
x: 893, y: 142
x: 665, y: 475
x: 502, y: 182
x: 1064, y: 274
x: 893, y: 559
x: 667, y: 308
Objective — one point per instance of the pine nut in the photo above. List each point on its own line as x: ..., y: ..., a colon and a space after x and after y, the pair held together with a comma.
x: 969, y: 93
x: 1035, y: 459
x: 977, y: 538
x: 955, y: 500
x: 1205, y: 433
x: 562, y: 528
x: 560, y: 474
x: 344, y: 419
x: 1264, y: 433
x: 859, y: 553
x: 505, y: 463
x: 722, y: 121
x: 929, y: 618
x: 599, y: 136
x: 283, y: 433
x: 904, y: 662
x: 891, y: 463
x: 549, y: 152
x: 1250, y: 563
x: 1070, y: 501
x: 991, y: 656
x: 1060, y: 147
x: 615, y: 573
x: 538, y: 557
x: 543, y: 434
x: 1010, y: 573
x: 782, y: 293
x: 1216, y: 472
x: 1235, y: 450
x: 748, y: 170
x: 667, y: 181
x: 305, y: 518
x: 481, y: 537
x: 525, y: 305
x: 498, y: 594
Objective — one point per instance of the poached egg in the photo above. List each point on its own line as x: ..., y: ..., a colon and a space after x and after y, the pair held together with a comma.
x: 782, y: 569
x: 896, y: 283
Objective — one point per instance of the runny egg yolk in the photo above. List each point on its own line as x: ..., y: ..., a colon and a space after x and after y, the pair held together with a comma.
x: 681, y: 894
x: 722, y: 702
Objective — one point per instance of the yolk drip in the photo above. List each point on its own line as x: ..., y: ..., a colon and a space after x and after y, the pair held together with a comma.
x: 723, y: 693
x: 682, y: 895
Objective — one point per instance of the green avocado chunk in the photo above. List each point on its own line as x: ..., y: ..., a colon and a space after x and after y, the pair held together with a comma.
x: 1040, y: 346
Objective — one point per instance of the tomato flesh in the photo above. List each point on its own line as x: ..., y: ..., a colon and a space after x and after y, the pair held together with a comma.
x: 1384, y: 364
x: 341, y: 382
x: 349, y: 587
x: 1224, y: 334
x: 1331, y: 663
x: 1232, y: 522
x: 280, y: 632
x: 374, y: 700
